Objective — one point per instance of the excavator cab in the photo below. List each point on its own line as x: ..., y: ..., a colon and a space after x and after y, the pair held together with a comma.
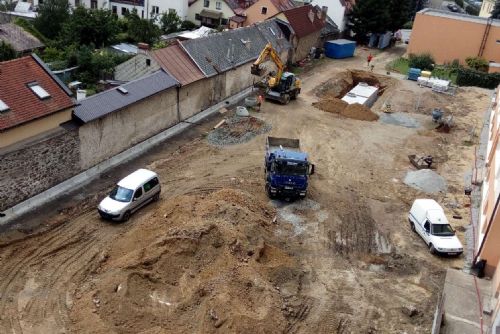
x: 257, y: 70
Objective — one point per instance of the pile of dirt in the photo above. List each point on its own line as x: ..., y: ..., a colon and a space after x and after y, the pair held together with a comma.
x: 238, y: 130
x: 201, y: 263
x: 354, y: 111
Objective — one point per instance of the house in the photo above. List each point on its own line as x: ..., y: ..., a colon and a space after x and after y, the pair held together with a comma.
x: 116, y: 119
x: 213, y: 13
x: 486, y: 8
x: 337, y: 10
x: 302, y: 26
x: 20, y: 40
x: 261, y: 10
x: 448, y: 36
x: 136, y: 67
x: 33, y: 101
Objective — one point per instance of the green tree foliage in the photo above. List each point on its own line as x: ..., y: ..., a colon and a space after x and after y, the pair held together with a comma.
x: 187, y: 25
x: 399, y: 11
x: 422, y: 61
x: 170, y: 22
x: 28, y: 26
x: 460, y: 3
x: 90, y: 26
x: 496, y: 10
x: 379, y: 16
x: 471, y: 10
x: 468, y: 77
x: 52, y: 14
x: 142, y: 30
x: 477, y: 63
x: 7, y: 52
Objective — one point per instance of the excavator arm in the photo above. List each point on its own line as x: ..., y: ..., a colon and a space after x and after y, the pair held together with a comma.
x: 269, y: 52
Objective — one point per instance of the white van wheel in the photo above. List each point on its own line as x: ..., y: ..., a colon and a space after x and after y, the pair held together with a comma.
x: 413, y: 227
x: 432, y: 249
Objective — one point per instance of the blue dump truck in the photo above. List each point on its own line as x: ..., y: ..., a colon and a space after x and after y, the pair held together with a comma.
x: 287, y: 168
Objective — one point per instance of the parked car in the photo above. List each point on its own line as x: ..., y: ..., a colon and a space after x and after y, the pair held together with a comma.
x: 427, y: 218
x: 130, y: 194
x: 453, y: 7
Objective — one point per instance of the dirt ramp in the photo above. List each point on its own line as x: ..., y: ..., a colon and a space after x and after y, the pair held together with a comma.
x: 354, y: 111
x: 201, y: 263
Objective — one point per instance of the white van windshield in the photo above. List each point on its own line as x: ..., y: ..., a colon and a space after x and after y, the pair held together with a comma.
x: 121, y: 194
x: 442, y: 230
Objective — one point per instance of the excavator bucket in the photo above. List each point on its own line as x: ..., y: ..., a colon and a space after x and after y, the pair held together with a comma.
x: 257, y: 70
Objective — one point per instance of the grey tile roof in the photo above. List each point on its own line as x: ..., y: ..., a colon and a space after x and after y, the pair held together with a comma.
x: 112, y: 100
x: 223, y: 51
x: 135, y: 68
x: 273, y: 34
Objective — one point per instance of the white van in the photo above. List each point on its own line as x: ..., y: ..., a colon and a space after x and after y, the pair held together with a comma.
x: 130, y: 194
x: 427, y: 218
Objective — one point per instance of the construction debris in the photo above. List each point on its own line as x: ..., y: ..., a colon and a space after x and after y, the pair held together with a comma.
x: 237, y: 130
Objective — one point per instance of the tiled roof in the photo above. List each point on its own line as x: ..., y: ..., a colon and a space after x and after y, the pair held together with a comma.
x: 283, y: 5
x: 273, y: 34
x: 226, y: 50
x: 18, y: 38
x: 24, y: 105
x: 102, y: 104
x: 135, y: 68
x: 300, y: 20
x: 177, y: 63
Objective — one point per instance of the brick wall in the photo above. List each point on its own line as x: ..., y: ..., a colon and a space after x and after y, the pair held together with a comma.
x: 32, y: 169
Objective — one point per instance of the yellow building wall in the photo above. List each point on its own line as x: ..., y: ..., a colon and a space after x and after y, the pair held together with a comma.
x: 448, y: 39
x: 254, y: 12
x: 33, y: 128
x: 198, y: 6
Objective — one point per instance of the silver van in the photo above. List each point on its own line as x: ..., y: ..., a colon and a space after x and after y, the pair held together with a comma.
x: 130, y: 194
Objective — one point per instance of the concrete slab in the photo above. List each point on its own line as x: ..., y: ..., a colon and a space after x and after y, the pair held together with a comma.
x: 462, y: 305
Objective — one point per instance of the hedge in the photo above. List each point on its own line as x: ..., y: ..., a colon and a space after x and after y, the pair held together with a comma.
x: 468, y: 77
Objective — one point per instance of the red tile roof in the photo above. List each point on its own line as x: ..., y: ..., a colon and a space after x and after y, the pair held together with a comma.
x: 177, y: 63
x: 283, y: 5
x: 24, y: 105
x: 300, y: 20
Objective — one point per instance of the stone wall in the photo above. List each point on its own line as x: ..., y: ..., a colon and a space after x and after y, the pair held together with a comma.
x: 34, y: 168
x: 304, y: 46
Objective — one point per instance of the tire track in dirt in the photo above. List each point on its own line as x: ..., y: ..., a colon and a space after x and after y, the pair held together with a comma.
x: 57, y: 261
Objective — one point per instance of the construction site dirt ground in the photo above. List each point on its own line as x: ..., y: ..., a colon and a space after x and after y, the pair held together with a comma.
x: 214, y: 254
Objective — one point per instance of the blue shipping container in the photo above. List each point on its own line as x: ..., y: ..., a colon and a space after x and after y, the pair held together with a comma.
x: 340, y: 48
x: 414, y: 73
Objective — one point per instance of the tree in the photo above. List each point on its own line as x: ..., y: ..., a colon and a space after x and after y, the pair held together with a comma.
x: 399, y: 11
x: 7, y: 52
x: 170, y: 22
x: 370, y: 16
x: 460, y: 3
x: 495, y: 14
x: 52, y: 14
x: 90, y: 26
x: 187, y: 25
x: 142, y: 30
x: 471, y: 10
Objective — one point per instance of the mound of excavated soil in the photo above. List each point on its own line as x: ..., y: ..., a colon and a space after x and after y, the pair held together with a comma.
x: 354, y: 111
x: 200, y: 263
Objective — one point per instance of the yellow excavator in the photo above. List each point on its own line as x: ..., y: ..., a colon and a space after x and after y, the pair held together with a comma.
x: 279, y: 86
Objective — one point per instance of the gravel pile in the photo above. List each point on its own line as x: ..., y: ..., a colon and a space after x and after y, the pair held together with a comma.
x: 238, y: 130
x: 425, y: 180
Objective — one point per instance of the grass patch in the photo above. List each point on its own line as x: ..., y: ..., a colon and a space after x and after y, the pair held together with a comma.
x: 400, y: 65
x: 446, y: 73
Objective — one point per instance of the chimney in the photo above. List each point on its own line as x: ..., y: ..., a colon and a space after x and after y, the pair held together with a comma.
x: 324, y: 11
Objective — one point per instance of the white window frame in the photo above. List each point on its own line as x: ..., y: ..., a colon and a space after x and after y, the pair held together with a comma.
x: 218, y: 5
x: 38, y: 90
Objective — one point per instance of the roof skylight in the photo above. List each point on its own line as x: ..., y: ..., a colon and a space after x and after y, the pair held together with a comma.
x: 39, y: 91
x: 3, y: 107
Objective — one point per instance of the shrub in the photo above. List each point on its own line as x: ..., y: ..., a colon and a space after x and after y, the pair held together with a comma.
x: 471, y: 10
x: 477, y: 63
x: 460, y: 3
x: 468, y: 77
x: 423, y: 61
x: 408, y: 25
x: 187, y: 25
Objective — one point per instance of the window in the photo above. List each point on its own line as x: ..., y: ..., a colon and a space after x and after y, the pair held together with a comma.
x: 218, y: 5
x: 155, y: 10
x: 77, y: 3
x: 138, y: 193
x: 124, y: 11
x: 39, y: 91
x: 223, y: 22
x: 114, y: 10
x: 206, y: 3
x: 197, y: 17
x: 40, y: 2
x: 263, y: 11
x: 172, y: 11
x: 3, y: 106
x: 151, y: 184
x: 121, y: 194
x: 142, y: 14
x: 93, y: 4
x: 427, y: 226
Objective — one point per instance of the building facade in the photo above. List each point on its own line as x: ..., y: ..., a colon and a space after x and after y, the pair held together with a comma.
x: 210, y: 13
x: 264, y: 9
x: 448, y: 36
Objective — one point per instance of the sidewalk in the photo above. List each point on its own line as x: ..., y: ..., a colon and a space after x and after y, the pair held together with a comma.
x: 461, y: 304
